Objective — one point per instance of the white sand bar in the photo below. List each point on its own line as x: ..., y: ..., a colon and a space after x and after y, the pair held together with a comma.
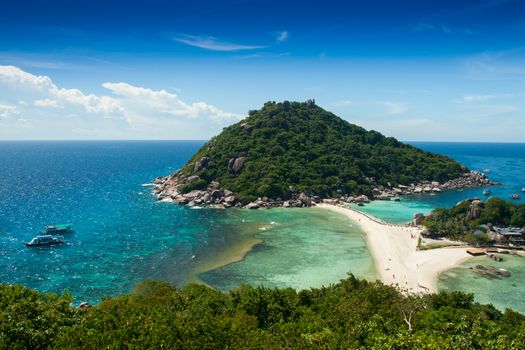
x: 397, y: 260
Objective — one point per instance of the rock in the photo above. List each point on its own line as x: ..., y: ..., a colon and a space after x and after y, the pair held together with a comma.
x: 235, y: 164
x: 435, y: 184
x: 304, y: 199
x: 286, y: 204
x: 193, y: 194
x: 192, y: 179
x: 427, y: 189
x: 436, y: 189
x: 228, y: 193
x: 247, y: 127
x: 475, y: 209
x: 229, y: 199
x: 214, y: 185
x: 252, y: 205
x: 418, y: 219
x: 216, y: 193
x: 361, y: 199
x: 418, y: 190
x: 329, y: 201
x: 201, y: 164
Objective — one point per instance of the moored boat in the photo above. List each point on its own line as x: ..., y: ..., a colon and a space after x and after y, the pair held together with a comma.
x: 514, y: 196
x: 486, y: 192
x: 58, y: 229
x: 523, y: 189
x: 45, y: 240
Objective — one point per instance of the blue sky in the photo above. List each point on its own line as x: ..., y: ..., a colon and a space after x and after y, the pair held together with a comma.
x: 416, y: 70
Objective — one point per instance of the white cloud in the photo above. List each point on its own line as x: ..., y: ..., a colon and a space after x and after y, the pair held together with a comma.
x: 46, y: 102
x: 477, y: 98
x: 282, y: 36
x: 393, y: 107
x: 129, y: 112
x: 212, y: 43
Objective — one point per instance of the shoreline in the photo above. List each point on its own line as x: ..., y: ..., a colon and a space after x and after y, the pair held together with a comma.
x: 233, y: 254
x: 394, y: 250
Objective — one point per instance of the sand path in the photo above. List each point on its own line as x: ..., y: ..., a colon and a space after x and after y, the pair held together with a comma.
x: 397, y: 260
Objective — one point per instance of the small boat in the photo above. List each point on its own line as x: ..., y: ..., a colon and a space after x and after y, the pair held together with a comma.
x: 523, y: 189
x: 486, y: 171
x: 514, y: 196
x: 486, y: 192
x: 58, y: 229
x: 395, y: 199
x: 46, y: 240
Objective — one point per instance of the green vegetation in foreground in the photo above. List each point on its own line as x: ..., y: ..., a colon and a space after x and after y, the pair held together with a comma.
x: 292, y: 146
x: 352, y: 314
x: 457, y: 222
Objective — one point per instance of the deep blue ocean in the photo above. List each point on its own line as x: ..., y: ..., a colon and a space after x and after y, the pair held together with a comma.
x: 123, y: 236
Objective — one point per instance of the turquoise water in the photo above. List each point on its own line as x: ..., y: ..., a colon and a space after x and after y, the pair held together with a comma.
x: 506, y: 292
x: 123, y: 236
x: 302, y: 248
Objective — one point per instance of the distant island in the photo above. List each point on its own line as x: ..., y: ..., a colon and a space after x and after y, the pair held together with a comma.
x: 296, y: 154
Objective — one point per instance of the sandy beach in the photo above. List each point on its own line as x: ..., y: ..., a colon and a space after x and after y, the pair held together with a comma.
x: 397, y: 261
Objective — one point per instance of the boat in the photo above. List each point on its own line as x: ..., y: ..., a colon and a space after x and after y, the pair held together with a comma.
x: 523, y: 189
x: 395, y: 199
x: 514, y: 196
x: 58, y: 229
x: 45, y: 240
x: 486, y: 171
x: 486, y: 192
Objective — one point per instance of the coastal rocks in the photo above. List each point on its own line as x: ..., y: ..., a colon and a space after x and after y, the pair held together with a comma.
x: 471, y: 179
x: 235, y: 164
x: 361, y: 199
x: 252, y: 205
x: 418, y: 219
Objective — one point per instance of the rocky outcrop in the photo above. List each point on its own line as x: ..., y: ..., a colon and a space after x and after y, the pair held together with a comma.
x: 418, y: 219
x: 170, y: 189
x: 467, y: 180
x: 475, y: 209
x: 235, y: 164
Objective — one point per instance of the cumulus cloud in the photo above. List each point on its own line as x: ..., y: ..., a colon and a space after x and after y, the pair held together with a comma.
x: 127, y: 111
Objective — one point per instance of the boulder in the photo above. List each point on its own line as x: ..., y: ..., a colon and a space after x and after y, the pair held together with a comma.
x: 192, y: 179
x: 427, y: 189
x: 193, y: 194
x: 361, y: 199
x: 435, y: 184
x: 229, y: 199
x: 286, y: 204
x: 228, y: 193
x: 418, y: 190
x: 235, y: 164
x: 252, y: 205
x: 201, y: 164
x: 214, y: 185
x: 475, y: 210
x: 418, y: 219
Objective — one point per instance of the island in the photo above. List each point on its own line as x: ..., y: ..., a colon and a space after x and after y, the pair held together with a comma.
x: 294, y: 154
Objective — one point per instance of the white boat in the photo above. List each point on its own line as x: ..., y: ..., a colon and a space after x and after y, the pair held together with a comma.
x: 45, y: 240
x: 486, y: 192
x: 514, y: 196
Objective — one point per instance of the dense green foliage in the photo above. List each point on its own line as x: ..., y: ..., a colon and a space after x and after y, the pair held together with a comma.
x: 299, y: 146
x: 455, y: 223
x: 352, y: 314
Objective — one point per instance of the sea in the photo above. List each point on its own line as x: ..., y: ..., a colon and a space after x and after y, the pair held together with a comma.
x: 123, y: 236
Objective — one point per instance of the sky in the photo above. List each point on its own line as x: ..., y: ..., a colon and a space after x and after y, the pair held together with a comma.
x: 172, y: 70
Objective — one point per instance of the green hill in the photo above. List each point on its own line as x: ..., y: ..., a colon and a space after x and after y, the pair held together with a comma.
x: 288, y: 147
